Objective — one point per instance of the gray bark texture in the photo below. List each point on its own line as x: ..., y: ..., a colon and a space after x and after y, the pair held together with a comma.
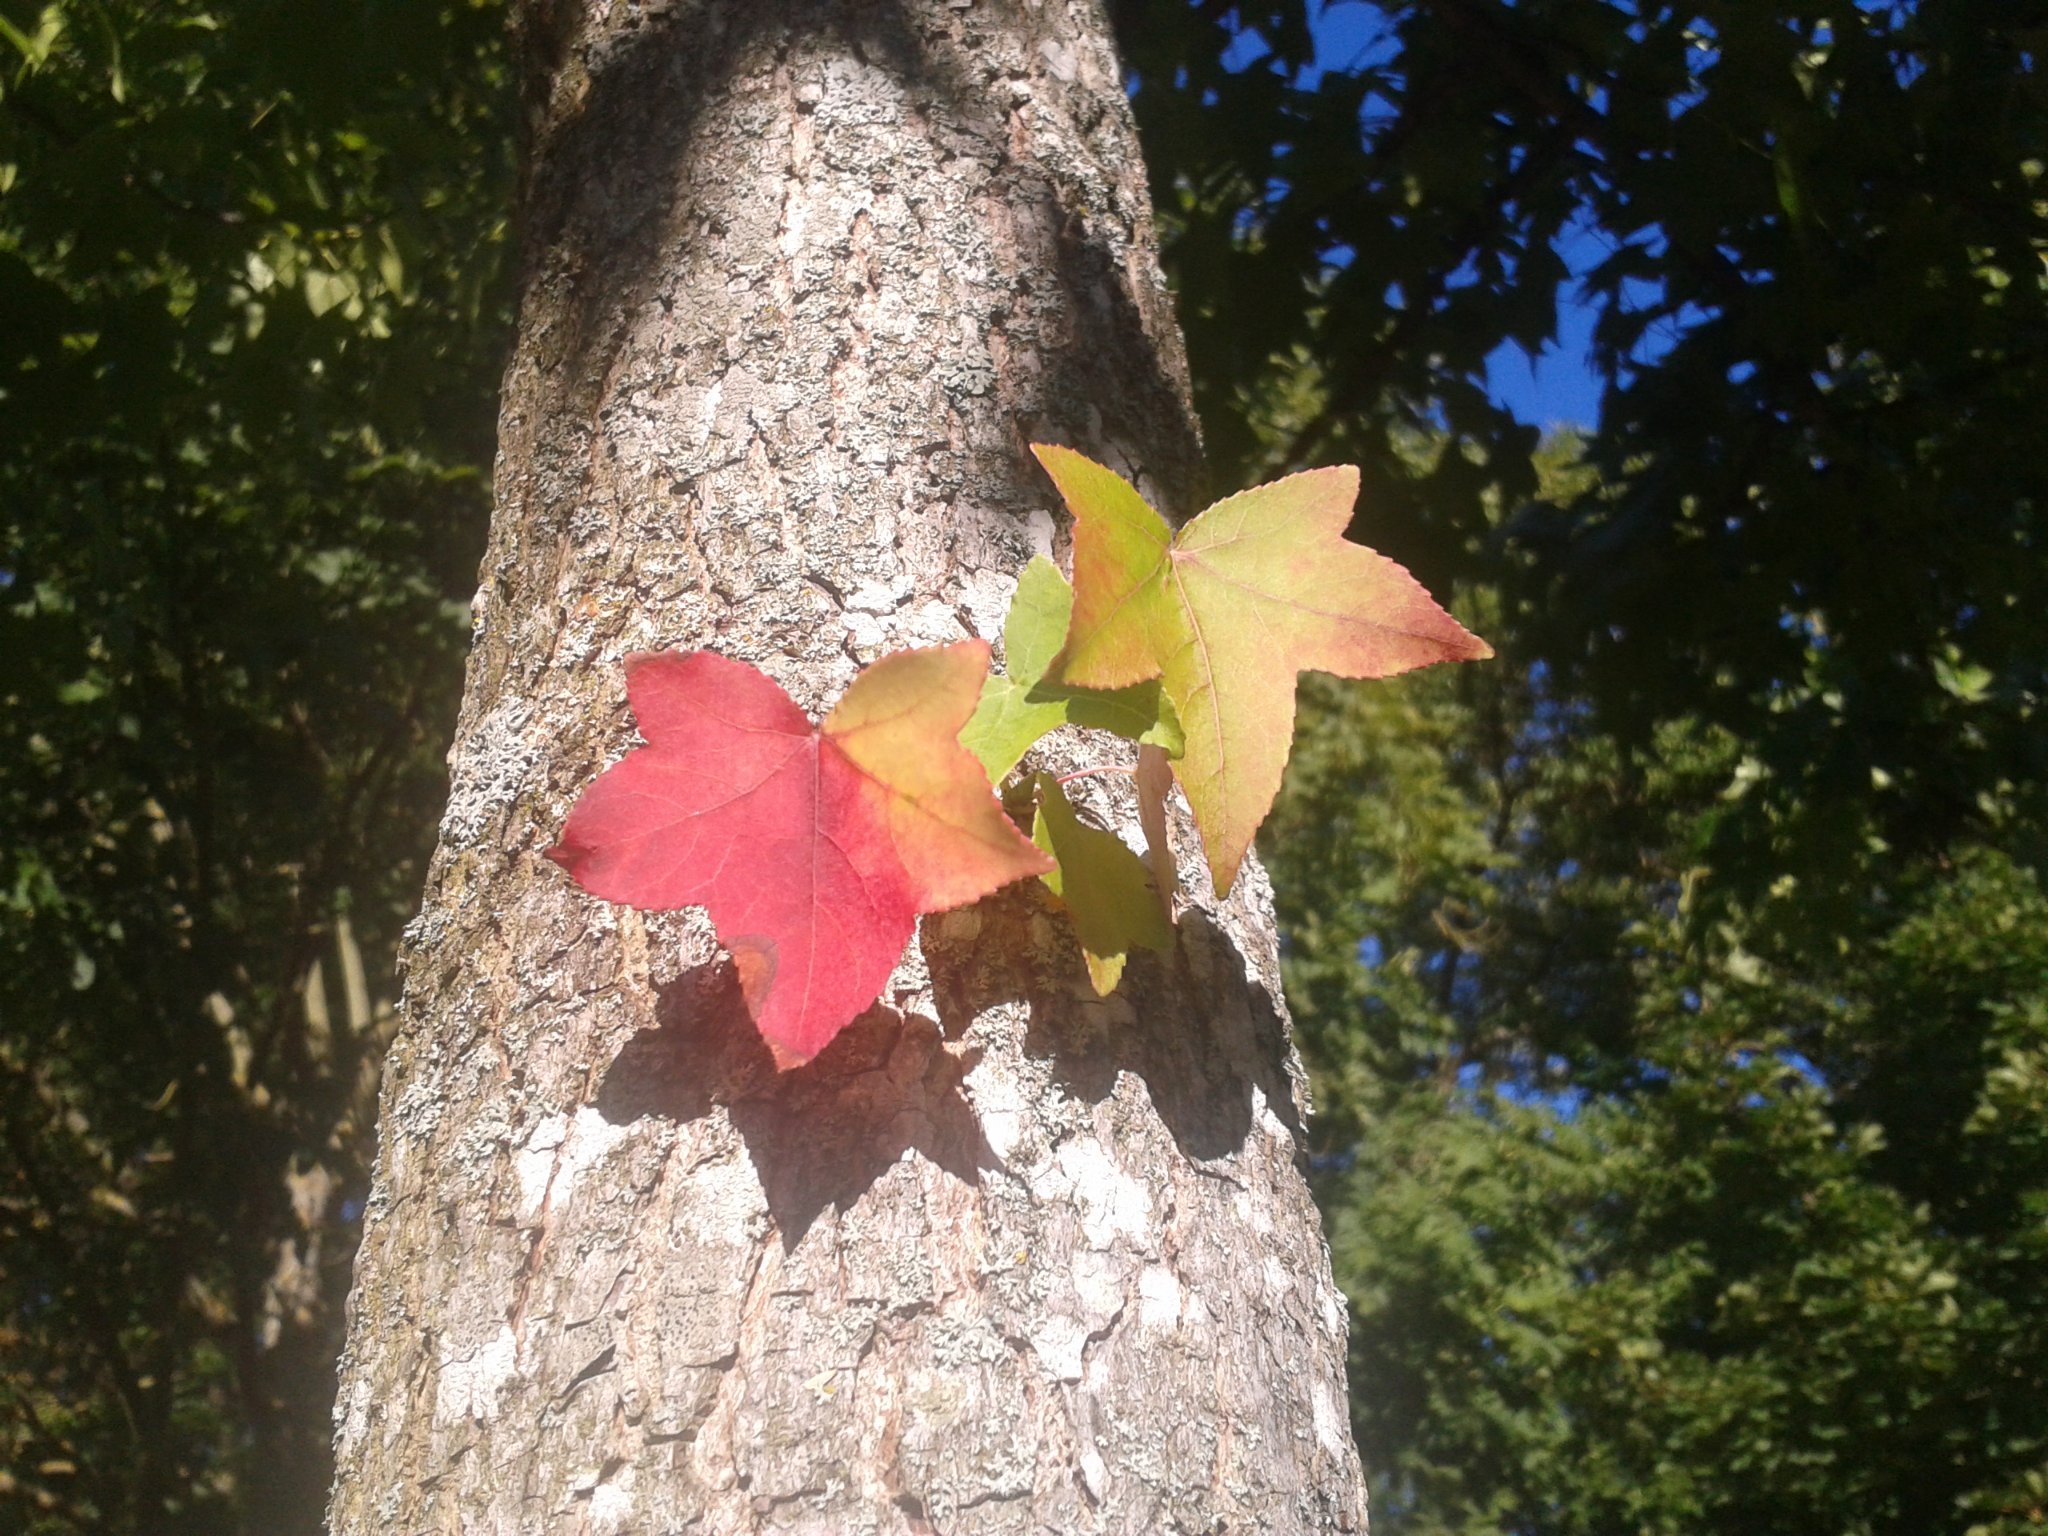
x: 802, y: 281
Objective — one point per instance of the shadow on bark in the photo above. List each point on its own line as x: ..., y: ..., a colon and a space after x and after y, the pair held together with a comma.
x: 819, y: 1135
x: 1190, y: 1026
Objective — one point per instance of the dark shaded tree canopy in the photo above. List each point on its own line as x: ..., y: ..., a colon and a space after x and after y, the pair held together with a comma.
x: 1675, y: 990
x: 1815, y: 237
x: 249, y: 336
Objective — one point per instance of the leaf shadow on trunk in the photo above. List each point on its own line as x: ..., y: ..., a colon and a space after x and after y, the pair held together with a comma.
x: 1203, y: 1038
x: 818, y: 1135
x: 1206, y: 1041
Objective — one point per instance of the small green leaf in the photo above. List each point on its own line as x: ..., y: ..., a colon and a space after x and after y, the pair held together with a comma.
x: 36, y: 48
x: 1964, y: 679
x: 324, y: 290
x: 1036, y: 627
x: 1017, y: 709
x: 1106, y: 887
x: 1005, y: 724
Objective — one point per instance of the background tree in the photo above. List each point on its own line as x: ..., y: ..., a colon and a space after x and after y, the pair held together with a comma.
x: 801, y: 282
x: 1624, y: 1199
x: 248, y: 340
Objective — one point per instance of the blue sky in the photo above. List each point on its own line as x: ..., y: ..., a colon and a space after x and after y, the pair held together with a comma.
x: 1557, y: 387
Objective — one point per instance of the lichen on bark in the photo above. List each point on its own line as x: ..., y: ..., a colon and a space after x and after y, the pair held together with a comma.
x: 802, y: 282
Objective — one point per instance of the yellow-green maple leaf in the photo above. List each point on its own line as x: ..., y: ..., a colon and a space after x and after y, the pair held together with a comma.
x: 1228, y: 612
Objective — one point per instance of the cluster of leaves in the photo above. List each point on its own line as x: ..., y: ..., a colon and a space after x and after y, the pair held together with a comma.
x: 814, y: 849
x: 249, y: 333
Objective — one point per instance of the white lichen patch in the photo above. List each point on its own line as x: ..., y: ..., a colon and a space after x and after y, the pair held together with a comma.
x: 1039, y: 528
x: 866, y: 636
x: 1330, y: 1428
x: 726, y: 1200
x: 591, y: 1138
x: 998, y: 1104
x: 469, y: 1384
x: 487, y: 770
x: 880, y: 597
x: 1159, y: 1298
x: 1113, y: 1204
x: 418, y: 1111
x: 985, y: 595
x: 1060, y: 61
x: 1094, y: 1472
x: 1251, y: 1213
x: 929, y: 623
x: 1266, y: 1120
x: 352, y: 1414
x: 1059, y: 1342
x: 533, y: 1165
x: 556, y: 1154
x: 961, y: 1342
x: 1132, y: 837
x: 612, y: 1505
x: 1098, y: 1286
x: 1332, y: 1304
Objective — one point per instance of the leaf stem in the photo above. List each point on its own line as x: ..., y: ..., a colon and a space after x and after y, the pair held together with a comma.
x: 1082, y: 773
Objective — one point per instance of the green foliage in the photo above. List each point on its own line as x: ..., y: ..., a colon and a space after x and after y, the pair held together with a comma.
x: 1654, y: 1220
x: 1817, y: 237
x: 249, y: 328
x: 1675, y: 990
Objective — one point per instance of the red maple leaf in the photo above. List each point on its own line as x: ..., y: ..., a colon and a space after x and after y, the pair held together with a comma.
x: 813, y: 848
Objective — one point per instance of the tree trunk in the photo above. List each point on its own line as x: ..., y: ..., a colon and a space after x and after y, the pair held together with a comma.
x: 803, y: 280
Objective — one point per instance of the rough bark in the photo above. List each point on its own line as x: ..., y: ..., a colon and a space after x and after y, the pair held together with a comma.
x: 803, y: 280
